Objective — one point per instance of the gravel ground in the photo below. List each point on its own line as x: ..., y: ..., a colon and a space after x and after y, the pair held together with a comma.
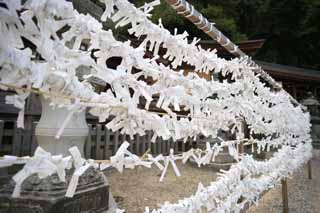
x: 303, y: 194
x: 135, y: 189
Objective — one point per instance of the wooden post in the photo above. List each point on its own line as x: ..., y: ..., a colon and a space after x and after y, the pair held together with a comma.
x: 88, y: 144
x: 107, y: 141
x: 1, y: 133
x: 294, y: 91
x: 241, y: 148
x: 99, y: 142
x: 3, y: 171
x: 241, y: 151
x: 309, y: 170
x: 285, y: 196
x: 34, y: 143
x: 241, y: 135
x: 116, y: 142
x: 17, y: 139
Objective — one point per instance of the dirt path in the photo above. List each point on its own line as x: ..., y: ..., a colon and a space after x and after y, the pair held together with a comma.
x: 140, y: 187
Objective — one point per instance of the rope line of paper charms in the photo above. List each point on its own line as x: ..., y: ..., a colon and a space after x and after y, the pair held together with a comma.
x: 122, y: 159
x: 84, y: 101
x: 45, y: 164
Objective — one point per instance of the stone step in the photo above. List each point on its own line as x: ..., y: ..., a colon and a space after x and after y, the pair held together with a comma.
x: 223, y: 166
x: 223, y: 157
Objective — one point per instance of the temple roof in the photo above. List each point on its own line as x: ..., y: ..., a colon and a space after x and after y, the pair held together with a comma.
x: 279, y: 71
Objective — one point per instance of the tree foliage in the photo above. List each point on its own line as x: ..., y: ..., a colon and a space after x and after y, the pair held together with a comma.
x: 291, y: 27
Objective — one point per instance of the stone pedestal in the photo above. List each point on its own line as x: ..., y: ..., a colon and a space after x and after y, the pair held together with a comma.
x: 223, y: 160
x: 48, y: 195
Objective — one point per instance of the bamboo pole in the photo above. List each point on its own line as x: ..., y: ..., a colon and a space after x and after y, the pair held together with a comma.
x: 188, y: 11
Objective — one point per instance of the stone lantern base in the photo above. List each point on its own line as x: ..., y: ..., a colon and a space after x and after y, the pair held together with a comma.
x: 48, y: 195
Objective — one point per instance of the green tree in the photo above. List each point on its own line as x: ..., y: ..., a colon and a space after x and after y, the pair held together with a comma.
x: 291, y: 27
x: 215, y: 12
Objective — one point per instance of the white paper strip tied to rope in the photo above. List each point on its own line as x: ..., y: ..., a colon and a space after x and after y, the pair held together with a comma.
x: 9, y: 160
x: 191, y: 153
x: 125, y: 159
x: 81, y: 166
x: 62, y: 164
x: 19, y: 102
x: 75, y: 179
x: 42, y: 164
x: 208, y: 157
x: 155, y: 160
x: 170, y: 160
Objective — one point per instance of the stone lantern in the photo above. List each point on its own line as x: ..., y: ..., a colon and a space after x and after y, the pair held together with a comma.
x: 313, y: 106
x: 48, y: 194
